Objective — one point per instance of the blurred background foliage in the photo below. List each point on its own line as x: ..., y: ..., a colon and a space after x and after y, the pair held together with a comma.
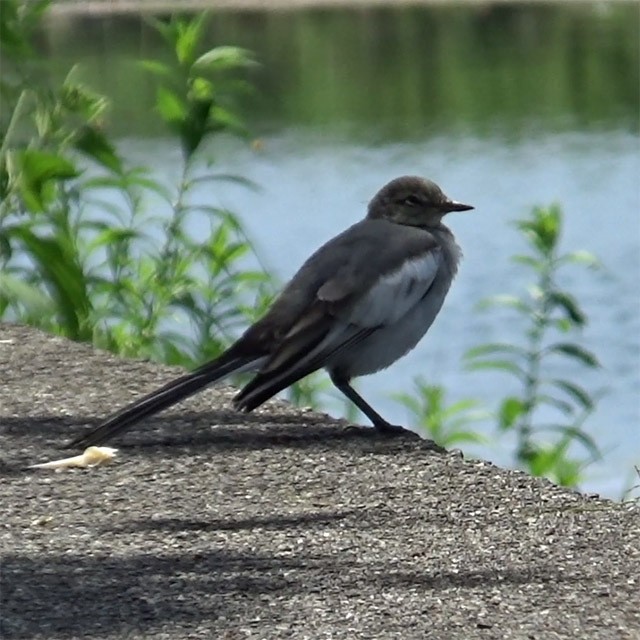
x: 581, y: 61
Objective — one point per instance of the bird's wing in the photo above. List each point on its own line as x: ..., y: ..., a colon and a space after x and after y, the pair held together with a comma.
x: 347, y: 308
x: 299, y: 355
x: 342, y: 271
x: 389, y: 298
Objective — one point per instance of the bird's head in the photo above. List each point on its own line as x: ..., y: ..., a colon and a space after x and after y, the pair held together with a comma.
x: 414, y: 202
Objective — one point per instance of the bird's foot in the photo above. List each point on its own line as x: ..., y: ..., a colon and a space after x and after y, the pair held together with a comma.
x: 431, y: 445
x: 389, y: 429
x: 396, y: 430
x: 384, y: 429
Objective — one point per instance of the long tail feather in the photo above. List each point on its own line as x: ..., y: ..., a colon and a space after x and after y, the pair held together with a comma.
x: 169, y: 394
x: 271, y: 381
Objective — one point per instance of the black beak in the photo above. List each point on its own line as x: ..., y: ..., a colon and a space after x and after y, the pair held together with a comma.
x: 452, y: 205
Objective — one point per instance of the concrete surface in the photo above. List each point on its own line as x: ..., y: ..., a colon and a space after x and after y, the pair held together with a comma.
x: 281, y: 524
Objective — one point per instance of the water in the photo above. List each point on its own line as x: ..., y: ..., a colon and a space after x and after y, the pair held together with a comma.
x: 504, y: 107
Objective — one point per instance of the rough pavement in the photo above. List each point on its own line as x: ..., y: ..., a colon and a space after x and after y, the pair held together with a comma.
x: 281, y: 524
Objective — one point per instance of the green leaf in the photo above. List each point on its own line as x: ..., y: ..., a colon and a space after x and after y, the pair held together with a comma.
x: 137, y: 177
x: 574, y: 351
x: 221, y: 119
x: 581, y: 257
x: 110, y: 237
x: 38, y: 173
x: 189, y: 36
x: 569, y: 305
x: 6, y: 251
x: 494, y: 347
x: 409, y: 401
x: 79, y: 99
x: 43, y: 165
x: 156, y: 68
x: 222, y: 58
x: 567, y: 472
x: 18, y: 21
x: 225, y: 177
x: 63, y: 277
x: 563, y: 325
x: 570, y: 434
x: 505, y: 301
x: 34, y: 300
x: 566, y: 407
x: 552, y: 461
x: 463, y: 437
x: 527, y: 261
x: 201, y: 89
x: 511, y: 409
x: 171, y: 107
x: 580, y: 395
x: 535, y: 292
x: 543, y: 228
x: 93, y: 143
x: 463, y: 406
x: 498, y: 365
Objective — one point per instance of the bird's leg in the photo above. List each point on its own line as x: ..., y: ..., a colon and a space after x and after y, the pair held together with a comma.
x: 376, y: 419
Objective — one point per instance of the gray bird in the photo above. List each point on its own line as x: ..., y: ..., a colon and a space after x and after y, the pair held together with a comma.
x: 360, y: 302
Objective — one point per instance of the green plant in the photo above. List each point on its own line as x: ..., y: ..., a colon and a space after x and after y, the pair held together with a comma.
x: 81, y: 255
x: 632, y: 491
x: 74, y: 262
x: 549, y: 316
x: 40, y: 130
x: 205, y: 281
x: 447, y: 425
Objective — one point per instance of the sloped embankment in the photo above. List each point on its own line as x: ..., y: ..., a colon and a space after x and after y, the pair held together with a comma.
x: 281, y: 524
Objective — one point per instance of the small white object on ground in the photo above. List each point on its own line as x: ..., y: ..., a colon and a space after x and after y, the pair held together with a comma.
x: 90, y: 457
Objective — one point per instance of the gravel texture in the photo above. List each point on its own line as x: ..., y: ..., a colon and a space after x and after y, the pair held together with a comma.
x: 281, y: 524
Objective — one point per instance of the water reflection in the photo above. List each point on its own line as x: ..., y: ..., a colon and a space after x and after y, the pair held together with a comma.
x: 398, y: 72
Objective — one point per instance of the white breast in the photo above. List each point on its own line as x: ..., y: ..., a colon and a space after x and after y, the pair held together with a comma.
x: 389, y: 343
x: 400, y: 332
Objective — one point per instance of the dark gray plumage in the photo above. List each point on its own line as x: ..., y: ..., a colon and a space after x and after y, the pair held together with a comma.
x: 360, y: 302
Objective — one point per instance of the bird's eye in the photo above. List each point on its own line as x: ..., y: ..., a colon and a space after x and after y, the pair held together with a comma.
x: 413, y: 201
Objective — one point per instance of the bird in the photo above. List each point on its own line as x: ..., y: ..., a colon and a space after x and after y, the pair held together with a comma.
x: 360, y: 302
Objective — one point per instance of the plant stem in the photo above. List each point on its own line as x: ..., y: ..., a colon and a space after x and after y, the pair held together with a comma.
x: 542, y: 312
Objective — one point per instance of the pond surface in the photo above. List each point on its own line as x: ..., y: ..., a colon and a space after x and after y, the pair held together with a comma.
x: 506, y: 107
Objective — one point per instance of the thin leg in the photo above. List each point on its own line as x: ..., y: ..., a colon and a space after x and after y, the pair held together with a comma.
x: 376, y: 419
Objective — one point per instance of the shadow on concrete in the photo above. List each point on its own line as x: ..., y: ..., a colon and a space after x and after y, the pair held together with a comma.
x: 79, y: 596
x: 226, y: 431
